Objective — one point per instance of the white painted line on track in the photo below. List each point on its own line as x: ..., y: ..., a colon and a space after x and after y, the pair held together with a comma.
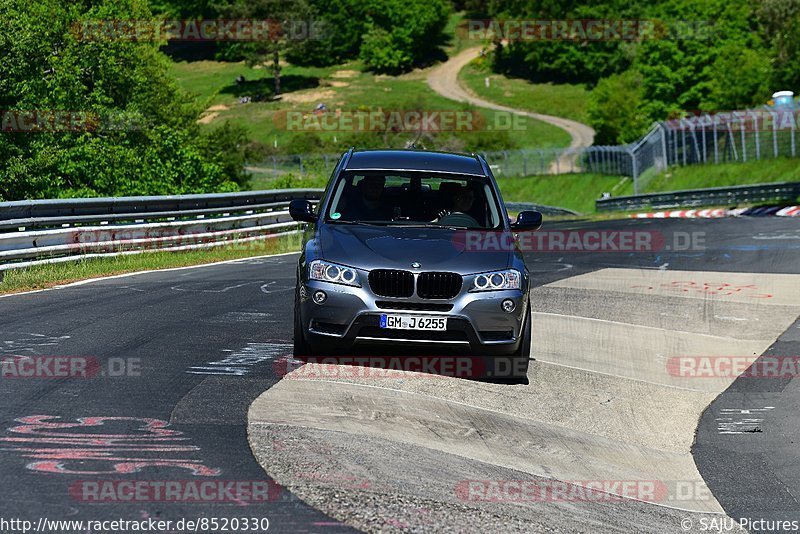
x: 123, y: 275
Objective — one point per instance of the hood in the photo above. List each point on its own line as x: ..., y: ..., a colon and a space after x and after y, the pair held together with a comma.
x: 435, y: 249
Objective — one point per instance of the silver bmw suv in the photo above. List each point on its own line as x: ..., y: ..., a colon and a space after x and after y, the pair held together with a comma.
x: 412, y: 247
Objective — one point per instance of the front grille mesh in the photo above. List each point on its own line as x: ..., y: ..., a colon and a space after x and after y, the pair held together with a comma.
x: 439, y: 285
x: 391, y: 283
x: 413, y: 306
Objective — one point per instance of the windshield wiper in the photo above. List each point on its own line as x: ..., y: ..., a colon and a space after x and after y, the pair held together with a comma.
x: 358, y: 223
x: 431, y: 225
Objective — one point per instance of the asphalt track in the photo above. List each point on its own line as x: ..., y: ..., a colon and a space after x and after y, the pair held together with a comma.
x: 204, y: 344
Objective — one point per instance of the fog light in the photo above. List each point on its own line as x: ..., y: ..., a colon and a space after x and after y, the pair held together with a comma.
x: 508, y: 305
x: 320, y: 297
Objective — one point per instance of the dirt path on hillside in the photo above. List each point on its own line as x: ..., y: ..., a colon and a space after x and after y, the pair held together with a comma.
x: 444, y: 80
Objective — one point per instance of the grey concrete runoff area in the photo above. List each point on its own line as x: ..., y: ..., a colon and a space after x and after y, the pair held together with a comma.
x: 620, y: 428
x: 602, y: 404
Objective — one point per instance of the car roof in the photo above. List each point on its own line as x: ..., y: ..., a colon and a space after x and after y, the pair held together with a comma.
x: 415, y: 160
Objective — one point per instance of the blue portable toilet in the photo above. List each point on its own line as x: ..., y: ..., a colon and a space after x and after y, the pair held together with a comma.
x: 783, y: 99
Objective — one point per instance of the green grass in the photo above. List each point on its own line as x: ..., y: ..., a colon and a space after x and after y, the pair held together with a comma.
x: 726, y: 174
x: 561, y: 100
x: 348, y: 88
x: 214, y: 82
x: 458, y: 30
x: 572, y: 191
x: 579, y: 191
x: 44, y: 276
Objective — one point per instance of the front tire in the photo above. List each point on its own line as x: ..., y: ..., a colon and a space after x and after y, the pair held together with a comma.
x: 521, y: 357
x: 301, y: 346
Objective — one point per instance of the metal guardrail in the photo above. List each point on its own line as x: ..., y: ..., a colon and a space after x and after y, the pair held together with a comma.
x: 715, y: 196
x: 545, y: 210
x: 34, y: 232
x: 50, y: 231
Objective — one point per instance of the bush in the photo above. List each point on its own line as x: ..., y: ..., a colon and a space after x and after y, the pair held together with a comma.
x: 615, y: 109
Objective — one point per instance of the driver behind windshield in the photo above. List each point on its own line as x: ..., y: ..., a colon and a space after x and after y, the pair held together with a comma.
x: 369, y: 204
x: 462, y: 202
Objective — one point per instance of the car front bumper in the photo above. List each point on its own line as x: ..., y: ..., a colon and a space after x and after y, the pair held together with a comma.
x: 351, y: 315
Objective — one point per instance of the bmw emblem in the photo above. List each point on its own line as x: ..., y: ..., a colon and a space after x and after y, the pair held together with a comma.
x: 416, y: 265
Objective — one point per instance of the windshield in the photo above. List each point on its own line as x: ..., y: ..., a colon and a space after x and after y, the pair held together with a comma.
x: 414, y: 198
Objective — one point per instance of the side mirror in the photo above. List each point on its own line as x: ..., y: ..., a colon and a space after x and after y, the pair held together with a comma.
x: 527, y: 221
x: 302, y: 211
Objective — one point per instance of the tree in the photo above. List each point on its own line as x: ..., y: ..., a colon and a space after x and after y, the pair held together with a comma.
x: 388, y: 35
x: 142, y: 136
x: 616, y: 109
x: 289, y: 25
x: 779, y: 20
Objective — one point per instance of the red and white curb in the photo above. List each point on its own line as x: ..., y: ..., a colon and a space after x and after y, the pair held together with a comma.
x: 791, y: 211
x: 684, y: 214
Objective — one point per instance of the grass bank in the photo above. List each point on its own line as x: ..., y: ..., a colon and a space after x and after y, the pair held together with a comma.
x: 562, y: 100
x: 50, y: 275
x: 344, y: 88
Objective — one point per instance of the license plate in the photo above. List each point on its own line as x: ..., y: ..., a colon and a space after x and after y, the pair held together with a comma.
x: 413, y: 322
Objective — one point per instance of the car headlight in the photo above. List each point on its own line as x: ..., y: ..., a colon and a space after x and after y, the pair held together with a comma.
x: 334, y: 273
x: 497, y: 280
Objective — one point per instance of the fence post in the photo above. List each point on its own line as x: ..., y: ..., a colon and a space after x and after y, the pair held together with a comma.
x: 703, y: 137
x: 791, y: 123
x: 758, y: 137
x: 775, y: 133
x: 744, y: 143
x: 716, y: 144
x: 274, y: 167
x: 732, y: 142
x: 683, y: 140
x: 664, y: 144
x: 635, y: 171
x: 524, y: 164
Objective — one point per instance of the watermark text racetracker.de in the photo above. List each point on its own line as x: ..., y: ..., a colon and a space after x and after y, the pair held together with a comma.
x: 176, y: 491
x: 584, y: 30
x: 734, y: 366
x: 43, y: 367
x: 399, y: 120
x: 203, y: 524
x: 197, y: 30
x: 598, y: 240
x: 62, y: 120
x: 597, y: 490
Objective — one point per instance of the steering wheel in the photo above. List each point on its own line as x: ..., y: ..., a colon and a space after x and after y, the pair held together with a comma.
x: 458, y: 218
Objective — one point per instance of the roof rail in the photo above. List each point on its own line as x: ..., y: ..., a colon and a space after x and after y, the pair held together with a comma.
x: 347, y: 156
x: 484, y: 165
